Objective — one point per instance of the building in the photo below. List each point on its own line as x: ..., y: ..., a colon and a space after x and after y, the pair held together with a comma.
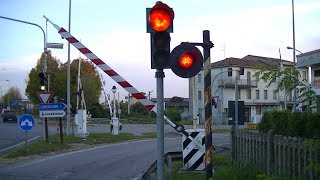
x: 256, y: 96
x: 181, y: 103
x: 311, y: 60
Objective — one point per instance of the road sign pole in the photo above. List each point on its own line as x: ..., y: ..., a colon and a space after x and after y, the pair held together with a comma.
x: 46, y: 129
x: 26, y: 140
x: 61, y: 130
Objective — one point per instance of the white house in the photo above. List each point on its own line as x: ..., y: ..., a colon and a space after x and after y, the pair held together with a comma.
x: 311, y: 60
x: 252, y: 91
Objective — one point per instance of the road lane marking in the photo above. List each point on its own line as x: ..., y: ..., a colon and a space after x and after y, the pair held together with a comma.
x: 19, y: 144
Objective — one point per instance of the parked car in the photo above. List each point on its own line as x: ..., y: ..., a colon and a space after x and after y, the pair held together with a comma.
x: 9, y: 116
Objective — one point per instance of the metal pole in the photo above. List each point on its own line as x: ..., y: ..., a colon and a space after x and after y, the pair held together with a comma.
x: 1, y: 96
x: 294, y: 58
x: 119, y: 109
x: 68, y: 76
x: 160, y: 129
x: 221, y: 99
x: 8, y: 97
x: 61, y: 130
x: 207, y: 45
x: 114, y: 104
x: 236, y: 117
x: 129, y: 103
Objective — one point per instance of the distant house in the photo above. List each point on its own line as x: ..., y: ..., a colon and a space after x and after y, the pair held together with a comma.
x: 181, y: 103
x: 252, y: 91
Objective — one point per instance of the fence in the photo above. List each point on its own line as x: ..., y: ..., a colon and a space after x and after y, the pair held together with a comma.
x: 275, y: 154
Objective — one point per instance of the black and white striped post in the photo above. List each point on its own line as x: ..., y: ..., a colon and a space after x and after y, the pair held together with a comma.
x: 193, y: 149
x: 207, y: 45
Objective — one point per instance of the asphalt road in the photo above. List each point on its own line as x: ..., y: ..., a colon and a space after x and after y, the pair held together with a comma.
x: 11, y: 135
x: 126, y: 160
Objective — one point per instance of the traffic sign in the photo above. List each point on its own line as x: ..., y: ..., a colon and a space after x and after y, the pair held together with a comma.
x: 26, y: 122
x: 44, y: 97
x: 51, y: 106
x: 52, y: 113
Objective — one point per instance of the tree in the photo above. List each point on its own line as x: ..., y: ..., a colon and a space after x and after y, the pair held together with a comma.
x: 90, y: 80
x: 288, y: 79
x: 138, y: 108
x: 56, y: 73
x: 173, y: 113
x: 12, y: 98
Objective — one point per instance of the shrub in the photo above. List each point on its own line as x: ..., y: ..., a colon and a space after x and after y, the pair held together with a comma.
x: 301, y: 124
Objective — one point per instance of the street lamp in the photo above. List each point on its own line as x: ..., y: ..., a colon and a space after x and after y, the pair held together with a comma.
x: 294, y: 57
x: 114, y: 90
x: 288, y: 47
x: 44, y: 38
x: 309, y: 67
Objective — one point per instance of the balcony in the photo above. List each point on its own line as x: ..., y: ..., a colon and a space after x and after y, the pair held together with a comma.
x: 242, y: 83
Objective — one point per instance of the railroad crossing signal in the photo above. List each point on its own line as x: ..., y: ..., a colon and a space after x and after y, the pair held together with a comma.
x: 185, y: 60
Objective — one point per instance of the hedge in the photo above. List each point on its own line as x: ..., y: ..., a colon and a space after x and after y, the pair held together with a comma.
x: 295, y: 124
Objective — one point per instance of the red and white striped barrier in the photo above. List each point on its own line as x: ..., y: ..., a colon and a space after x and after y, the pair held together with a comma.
x: 104, y: 67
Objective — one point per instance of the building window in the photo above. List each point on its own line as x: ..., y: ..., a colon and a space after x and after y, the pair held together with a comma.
x: 199, y: 95
x: 248, y: 93
x: 274, y: 94
x: 257, y: 94
x: 199, y: 78
x: 258, y: 110
x: 229, y: 71
x: 317, y: 73
x: 265, y: 94
x: 304, y: 75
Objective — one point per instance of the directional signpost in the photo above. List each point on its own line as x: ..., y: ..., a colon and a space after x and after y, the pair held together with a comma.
x: 26, y: 122
x: 52, y: 110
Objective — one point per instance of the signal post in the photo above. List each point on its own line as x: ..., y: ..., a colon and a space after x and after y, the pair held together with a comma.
x: 185, y: 61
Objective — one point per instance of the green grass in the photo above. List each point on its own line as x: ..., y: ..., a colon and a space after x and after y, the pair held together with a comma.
x: 54, y: 145
x: 224, y: 169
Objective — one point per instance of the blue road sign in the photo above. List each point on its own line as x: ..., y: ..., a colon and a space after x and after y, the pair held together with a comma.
x: 26, y: 122
x: 51, y: 106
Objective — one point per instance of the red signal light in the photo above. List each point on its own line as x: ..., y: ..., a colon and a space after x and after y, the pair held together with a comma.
x: 161, y: 17
x: 160, y: 20
x: 186, y: 60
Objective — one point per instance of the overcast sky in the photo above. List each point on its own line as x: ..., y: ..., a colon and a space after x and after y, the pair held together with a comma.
x: 115, y: 31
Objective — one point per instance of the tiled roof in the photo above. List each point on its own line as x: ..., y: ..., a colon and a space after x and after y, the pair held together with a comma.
x: 234, y: 62
x: 268, y: 60
x: 250, y: 61
x: 309, y: 53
